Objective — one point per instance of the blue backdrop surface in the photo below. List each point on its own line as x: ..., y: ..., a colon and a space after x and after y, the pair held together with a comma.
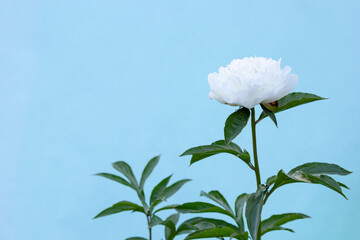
x: 87, y: 83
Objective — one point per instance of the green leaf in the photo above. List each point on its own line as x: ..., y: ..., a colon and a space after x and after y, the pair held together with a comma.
x: 172, y: 189
x: 158, y: 189
x: 201, y: 207
x: 115, y: 178
x: 148, y: 170
x: 269, y: 113
x: 343, y: 185
x: 188, y: 226
x: 292, y: 100
x: 121, y: 207
x: 208, y: 227
x: 239, y: 206
x: 201, y: 152
x: 253, y: 211
x: 282, y: 179
x: 170, y: 226
x: 320, y: 168
x: 271, y: 180
x: 125, y: 169
x: 215, y: 232
x: 136, y: 238
x: 171, y: 206
x: 235, y: 123
x: 155, y: 220
x: 274, y: 222
x: 326, y: 181
x: 218, y: 198
x: 298, y: 176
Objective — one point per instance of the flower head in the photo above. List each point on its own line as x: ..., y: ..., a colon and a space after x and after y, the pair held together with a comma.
x: 250, y: 81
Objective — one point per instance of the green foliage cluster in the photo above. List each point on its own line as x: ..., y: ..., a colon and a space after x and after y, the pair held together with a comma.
x: 245, y: 215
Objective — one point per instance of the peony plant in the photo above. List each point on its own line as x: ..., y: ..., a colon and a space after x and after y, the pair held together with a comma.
x: 147, y: 206
x: 245, y: 83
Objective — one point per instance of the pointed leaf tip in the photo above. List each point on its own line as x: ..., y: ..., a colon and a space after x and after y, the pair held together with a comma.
x: 269, y: 113
x: 148, y: 170
x: 235, y: 123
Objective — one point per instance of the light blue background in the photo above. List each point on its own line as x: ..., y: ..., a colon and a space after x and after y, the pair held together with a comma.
x: 87, y: 83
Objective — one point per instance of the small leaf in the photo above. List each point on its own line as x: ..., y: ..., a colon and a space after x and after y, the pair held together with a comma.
x: 170, y: 226
x: 148, y: 170
x: 218, y: 198
x: 271, y: 180
x: 320, y: 168
x: 171, y: 190
x: 269, y: 113
x: 115, y: 178
x: 201, y: 207
x: 274, y: 222
x: 292, y: 100
x: 253, y: 211
x: 343, y: 185
x: 155, y: 220
x: 156, y: 192
x: 125, y: 169
x: 201, y: 152
x: 121, y: 207
x: 235, y: 123
x: 239, y: 206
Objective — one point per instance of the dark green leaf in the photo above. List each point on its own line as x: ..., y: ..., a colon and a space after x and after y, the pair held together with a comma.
x: 320, y: 168
x: 155, y: 220
x: 121, y: 207
x: 279, y: 228
x: 298, y: 176
x: 115, y: 178
x: 326, y: 181
x: 201, y: 207
x: 269, y: 113
x: 125, y: 169
x: 235, y: 123
x: 156, y: 192
x: 215, y: 232
x: 271, y: 180
x: 253, y: 211
x: 218, y: 198
x: 136, y: 238
x: 282, y: 178
x: 170, y: 226
x: 201, y: 152
x: 148, y: 170
x: 239, y: 206
x: 343, y: 185
x: 171, y: 190
x: 172, y: 206
x: 185, y: 228
x: 209, y: 223
x: 275, y: 221
x: 292, y: 100
x: 188, y: 226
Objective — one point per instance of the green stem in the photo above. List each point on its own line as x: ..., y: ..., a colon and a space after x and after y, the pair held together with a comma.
x: 149, y: 220
x: 256, y: 162
x: 253, y: 131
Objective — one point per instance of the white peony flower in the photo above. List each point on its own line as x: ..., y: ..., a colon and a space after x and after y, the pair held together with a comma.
x: 250, y: 81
